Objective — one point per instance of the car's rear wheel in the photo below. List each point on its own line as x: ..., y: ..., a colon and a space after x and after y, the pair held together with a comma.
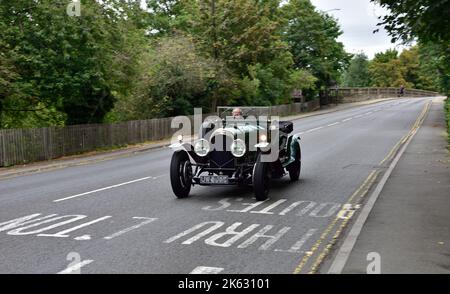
x: 261, y: 179
x: 181, y: 174
x: 295, y: 167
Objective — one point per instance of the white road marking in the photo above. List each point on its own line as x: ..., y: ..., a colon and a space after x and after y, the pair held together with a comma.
x: 147, y: 221
x: 333, y: 124
x: 304, y: 208
x: 205, y: 270
x: 270, y: 207
x: 347, y: 119
x: 262, y: 234
x: 359, y: 115
x: 315, y: 129
x: 63, y: 234
x: 83, y: 238
x: 19, y: 231
x: 200, y: 235
x: 75, y: 267
x: 105, y: 188
x: 296, y: 248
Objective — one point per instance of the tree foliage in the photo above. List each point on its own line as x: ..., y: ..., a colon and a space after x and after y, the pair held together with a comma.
x: 312, y: 37
x: 118, y: 61
x: 357, y: 74
x: 428, y: 20
x: 74, y: 65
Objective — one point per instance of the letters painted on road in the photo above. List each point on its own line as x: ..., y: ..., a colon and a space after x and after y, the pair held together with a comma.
x: 279, y: 207
x: 236, y: 232
x: 36, y: 224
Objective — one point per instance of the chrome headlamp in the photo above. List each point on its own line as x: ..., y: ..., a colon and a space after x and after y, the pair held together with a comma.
x: 202, y: 147
x: 238, y: 148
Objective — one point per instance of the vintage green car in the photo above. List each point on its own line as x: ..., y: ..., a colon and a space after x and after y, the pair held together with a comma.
x: 244, y: 148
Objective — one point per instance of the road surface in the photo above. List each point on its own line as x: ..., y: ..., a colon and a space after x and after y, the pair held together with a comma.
x: 120, y: 216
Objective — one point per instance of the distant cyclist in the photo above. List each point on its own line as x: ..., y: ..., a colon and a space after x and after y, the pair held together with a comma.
x: 402, y: 90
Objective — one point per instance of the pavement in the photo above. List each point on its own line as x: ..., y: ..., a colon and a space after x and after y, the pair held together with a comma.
x: 409, y: 225
x: 120, y: 216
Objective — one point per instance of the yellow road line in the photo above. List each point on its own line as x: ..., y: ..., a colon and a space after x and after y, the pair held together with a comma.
x: 316, y: 246
x: 338, y: 232
x: 405, y: 138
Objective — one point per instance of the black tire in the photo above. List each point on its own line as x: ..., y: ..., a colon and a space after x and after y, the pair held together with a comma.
x: 261, y: 179
x: 181, y: 174
x: 295, y: 167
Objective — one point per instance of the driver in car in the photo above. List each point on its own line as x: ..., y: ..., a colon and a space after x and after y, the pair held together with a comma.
x: 237, y: 113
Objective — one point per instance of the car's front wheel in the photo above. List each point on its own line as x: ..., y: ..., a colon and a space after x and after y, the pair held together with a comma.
x: 181, y: 174
x: 261, y: 179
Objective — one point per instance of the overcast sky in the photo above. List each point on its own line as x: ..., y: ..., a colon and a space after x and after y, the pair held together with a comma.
x: 358, y: 19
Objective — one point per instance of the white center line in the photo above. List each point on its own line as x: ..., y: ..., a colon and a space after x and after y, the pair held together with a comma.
x: 347, y: 119
x: 315, y: 129
x: 333, y: 124
x: 147, y: 221
x: 207, y: 270
x: 103, y: 189
x: 75, y: 267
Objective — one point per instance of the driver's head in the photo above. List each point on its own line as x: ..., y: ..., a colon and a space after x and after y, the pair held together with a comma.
x: 237, y: 112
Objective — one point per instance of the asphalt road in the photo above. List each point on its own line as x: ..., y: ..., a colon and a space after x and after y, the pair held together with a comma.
x: 120, y: 216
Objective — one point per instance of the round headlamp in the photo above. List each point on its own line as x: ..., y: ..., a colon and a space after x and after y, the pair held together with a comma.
x: 263, y: 138
x: 202, y: 148
x: 238, y: 148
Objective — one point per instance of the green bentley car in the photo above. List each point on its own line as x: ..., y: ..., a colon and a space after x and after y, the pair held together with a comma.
x: 241, y: 146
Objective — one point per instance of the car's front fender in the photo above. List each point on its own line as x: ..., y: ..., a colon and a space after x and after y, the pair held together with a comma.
x: 189, y: 149
x: 293, y: 148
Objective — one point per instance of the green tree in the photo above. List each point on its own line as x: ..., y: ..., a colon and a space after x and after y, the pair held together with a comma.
x: 174, y: 79
x: 434, y: 67
x: 66, y: 63
x: 429, y: 22
x: 357, y: 74
x: 312, y: 37
x: 386, y: 70
x: 165, y: 17
x: 426, y: 19
x: 246, y: 36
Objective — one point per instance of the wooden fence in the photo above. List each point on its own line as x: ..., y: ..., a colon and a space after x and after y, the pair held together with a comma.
x: 19, y: 146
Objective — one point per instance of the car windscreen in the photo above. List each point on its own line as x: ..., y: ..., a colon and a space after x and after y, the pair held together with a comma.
x: 246, y: 111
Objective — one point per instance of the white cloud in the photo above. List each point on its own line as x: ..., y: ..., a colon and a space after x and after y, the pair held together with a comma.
x: 358, y: 20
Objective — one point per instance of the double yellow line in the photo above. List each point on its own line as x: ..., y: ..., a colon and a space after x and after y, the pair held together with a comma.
x: 362, y: 190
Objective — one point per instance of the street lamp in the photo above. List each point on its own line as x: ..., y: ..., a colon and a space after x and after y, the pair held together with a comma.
x: 334, y: 9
